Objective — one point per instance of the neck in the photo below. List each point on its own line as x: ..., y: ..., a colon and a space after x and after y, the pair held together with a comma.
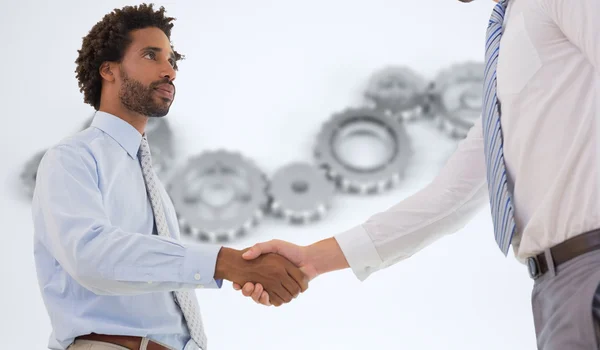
x: 136, y: 120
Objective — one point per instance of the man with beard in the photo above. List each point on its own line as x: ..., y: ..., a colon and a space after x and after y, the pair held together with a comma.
x: 111, y: 268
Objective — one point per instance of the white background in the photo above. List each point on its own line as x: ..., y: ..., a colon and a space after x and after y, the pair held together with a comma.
x: 257, y: 74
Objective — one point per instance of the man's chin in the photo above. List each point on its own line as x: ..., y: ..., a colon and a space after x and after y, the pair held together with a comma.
x: 161, y: 108
x: 159, y: 114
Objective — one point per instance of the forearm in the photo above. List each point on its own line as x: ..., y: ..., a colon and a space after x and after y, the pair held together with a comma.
x: 326, y: 256
x: 441, y: 208
x: 228, y: 261
x: 109, y: 261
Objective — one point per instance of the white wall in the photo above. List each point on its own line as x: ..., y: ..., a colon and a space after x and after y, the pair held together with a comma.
x: 257, y: 71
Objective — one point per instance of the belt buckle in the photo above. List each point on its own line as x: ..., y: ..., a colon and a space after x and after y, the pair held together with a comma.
x: 533, y: 265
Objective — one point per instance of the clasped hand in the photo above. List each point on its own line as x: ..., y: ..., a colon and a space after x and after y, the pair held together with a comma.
x: 279, y: 278
x: 267, y: 294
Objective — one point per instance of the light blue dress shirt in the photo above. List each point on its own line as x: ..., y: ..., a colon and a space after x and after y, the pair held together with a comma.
x: 100, y: 267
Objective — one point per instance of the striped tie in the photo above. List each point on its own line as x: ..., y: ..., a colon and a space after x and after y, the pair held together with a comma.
x: 500, y: 200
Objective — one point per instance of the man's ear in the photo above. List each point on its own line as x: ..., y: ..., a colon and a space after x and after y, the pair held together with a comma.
x: 107, y: 71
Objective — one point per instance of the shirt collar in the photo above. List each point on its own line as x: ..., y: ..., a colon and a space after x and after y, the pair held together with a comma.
x: 121, y: 131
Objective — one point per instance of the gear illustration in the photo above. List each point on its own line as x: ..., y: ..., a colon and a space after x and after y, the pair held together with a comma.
x: 343, y: 140
x: 398, y: 91
x: 29, y: 173
x: 218, y: 196
x: 300, y: 193
x: 457, y: 96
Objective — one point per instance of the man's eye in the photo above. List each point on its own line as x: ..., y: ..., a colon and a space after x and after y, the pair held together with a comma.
x: 150, y: 55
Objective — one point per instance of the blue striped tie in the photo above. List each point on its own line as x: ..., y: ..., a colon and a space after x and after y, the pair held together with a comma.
x: 500, y: 200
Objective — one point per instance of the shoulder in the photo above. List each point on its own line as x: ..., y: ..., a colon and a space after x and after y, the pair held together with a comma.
x: 78, y: 150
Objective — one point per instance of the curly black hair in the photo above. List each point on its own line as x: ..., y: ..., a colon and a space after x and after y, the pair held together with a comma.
x: 108, y: 40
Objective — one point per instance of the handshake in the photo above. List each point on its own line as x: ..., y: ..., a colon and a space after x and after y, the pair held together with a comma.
x: 276, y: 272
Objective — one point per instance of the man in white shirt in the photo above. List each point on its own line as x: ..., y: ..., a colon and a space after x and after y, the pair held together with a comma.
x: 549, y: 90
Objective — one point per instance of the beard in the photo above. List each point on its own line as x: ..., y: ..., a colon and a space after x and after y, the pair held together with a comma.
x: 140, y: 99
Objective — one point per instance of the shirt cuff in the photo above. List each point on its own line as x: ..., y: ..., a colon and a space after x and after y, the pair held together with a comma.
x: 199, y: 265
x: 360, y: 252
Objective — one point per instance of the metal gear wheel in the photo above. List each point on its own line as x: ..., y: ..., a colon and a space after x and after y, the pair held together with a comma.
x: 160, y: 139
x: 29, y: 173
x: 218, y: 195
x: 398, y: 91
x: 300, y: 193
x: 457, y: 96
x: 369, y: 127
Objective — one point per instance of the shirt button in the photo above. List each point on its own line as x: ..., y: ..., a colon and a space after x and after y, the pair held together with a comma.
x: 200, y: 286
x: 197, y: 277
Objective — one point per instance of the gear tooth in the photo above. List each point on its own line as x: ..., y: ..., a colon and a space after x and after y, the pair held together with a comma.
x: 452, y: 123
x: 337, y: 115
x: 390, y: 105
x: 335, y: 169
x: 236, y: 154
x: 28, y: 174
x: 284, y: 203
x: 316, y: 154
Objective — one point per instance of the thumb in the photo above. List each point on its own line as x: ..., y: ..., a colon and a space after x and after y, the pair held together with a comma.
x: 259, y: 248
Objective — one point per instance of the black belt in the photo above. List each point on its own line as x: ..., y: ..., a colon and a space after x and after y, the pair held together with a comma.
x: 563, y: 252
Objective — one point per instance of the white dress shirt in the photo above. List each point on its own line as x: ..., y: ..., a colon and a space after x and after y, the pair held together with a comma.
x: 548, y: 87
